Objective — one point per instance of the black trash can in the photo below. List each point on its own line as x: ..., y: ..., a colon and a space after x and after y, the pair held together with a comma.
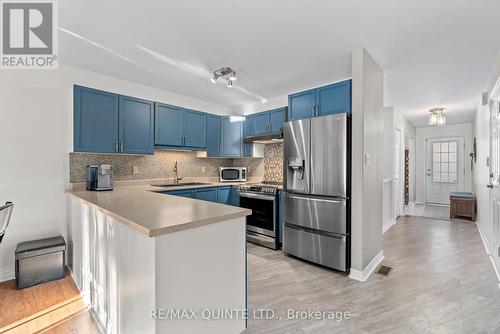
x: 40, y: 261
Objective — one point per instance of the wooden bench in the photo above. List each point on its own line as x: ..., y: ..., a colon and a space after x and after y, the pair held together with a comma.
x: 463, y: 204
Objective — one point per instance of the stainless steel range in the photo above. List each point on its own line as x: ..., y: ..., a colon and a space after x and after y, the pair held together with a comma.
x: 262, y: 225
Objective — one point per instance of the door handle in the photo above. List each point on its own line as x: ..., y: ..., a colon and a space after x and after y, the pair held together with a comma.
x: 489, y: 186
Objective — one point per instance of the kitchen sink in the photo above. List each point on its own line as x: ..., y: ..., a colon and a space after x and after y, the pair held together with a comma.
x: 180, y: 184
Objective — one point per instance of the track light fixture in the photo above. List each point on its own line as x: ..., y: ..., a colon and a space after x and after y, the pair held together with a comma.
x: 226, y: 73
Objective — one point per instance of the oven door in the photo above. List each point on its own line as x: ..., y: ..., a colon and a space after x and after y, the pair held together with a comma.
x: 263, y: 217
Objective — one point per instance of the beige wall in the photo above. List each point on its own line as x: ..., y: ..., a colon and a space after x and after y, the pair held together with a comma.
x: 368, y: 172
x: 453, y: 130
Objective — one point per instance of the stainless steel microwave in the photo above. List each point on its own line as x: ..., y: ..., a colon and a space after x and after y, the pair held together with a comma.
x: 232, y: 174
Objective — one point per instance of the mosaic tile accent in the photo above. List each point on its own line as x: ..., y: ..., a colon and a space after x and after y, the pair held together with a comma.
x: 273, y: 162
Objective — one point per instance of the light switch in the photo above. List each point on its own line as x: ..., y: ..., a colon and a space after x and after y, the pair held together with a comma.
x: 135, y: 170
x: 203, y: 169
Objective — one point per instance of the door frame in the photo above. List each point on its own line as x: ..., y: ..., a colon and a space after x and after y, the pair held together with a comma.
x: 494, y: 183
x: 426, y: 155
x: 399, y: 190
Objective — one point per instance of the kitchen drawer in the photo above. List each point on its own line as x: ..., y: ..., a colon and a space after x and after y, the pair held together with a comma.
x: 322, y: 249
x: 325, y: 214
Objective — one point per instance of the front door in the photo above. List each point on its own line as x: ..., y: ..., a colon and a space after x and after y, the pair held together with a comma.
x: 495, y: 176
x: 444, y: 168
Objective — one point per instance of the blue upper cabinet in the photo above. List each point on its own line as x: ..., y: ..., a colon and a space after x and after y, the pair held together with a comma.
x: 301, y: 105
x: 178, y: 127
x: 95, y: 120
x: 327, y: 100
x: 214, y: 129
x: 232, y: 133
x: 136, y: 121
x: 261, y: 123
x: 169, y: 125
x: 247, y: 132
x: 195, y: 129
x: 278, y: 117
x: 334, y: 99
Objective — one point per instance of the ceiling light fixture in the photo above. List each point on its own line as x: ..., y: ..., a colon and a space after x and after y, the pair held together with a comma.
x: 437, y: 117
x: 226, y: 73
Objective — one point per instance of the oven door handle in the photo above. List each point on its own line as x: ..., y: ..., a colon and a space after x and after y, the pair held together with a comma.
x: 257, y: 196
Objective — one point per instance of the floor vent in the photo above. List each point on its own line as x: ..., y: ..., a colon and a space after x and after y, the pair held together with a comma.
x: 384, y: 270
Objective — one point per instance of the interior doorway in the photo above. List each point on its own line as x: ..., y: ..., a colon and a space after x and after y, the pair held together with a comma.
x: 445, y: 172
x: 398, y: 171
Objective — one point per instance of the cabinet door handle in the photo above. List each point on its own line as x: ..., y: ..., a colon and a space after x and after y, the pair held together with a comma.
x: 317, y: 111
x: 117, y: 147
x: 313, y: 111
x: 120, y: 147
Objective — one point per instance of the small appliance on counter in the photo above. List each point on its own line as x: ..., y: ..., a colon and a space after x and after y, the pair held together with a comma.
x: 232, y: 174
x: 100, y: 178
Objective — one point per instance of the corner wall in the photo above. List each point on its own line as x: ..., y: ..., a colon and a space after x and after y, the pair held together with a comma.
x: 367, y: 164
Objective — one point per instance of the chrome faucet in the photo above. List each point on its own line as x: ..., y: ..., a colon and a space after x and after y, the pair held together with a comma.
x: 177, y: 178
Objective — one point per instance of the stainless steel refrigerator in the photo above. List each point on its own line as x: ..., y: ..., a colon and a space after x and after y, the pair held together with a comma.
x: 317, y: 184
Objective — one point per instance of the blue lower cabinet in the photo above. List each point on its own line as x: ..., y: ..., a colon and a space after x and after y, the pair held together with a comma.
x: 182, y: 193
x: 136, y: 126
x: 224, y: 195
x: 234, y: 197
x: 206, y: 194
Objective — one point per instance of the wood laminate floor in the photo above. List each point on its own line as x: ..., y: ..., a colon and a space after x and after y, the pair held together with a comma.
x: 441, y: 282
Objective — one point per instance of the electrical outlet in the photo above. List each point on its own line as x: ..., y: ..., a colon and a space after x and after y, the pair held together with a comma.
x: 135, y: 170
x: 203, y: 169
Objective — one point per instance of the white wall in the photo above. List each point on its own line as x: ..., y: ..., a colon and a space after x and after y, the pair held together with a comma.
x: 36, y: 133
x: 367, y: 139
x: 481, y: 172
x: 452, y: 130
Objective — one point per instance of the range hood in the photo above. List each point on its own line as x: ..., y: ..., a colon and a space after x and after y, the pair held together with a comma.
x: 265, y: 139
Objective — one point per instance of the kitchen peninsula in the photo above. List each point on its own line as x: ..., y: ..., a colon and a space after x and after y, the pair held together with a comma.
x: 136, y: 250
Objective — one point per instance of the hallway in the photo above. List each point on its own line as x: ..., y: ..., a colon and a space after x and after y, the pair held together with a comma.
x: 441, y: 281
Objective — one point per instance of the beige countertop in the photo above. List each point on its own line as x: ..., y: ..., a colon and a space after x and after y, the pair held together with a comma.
x: 145, y: 209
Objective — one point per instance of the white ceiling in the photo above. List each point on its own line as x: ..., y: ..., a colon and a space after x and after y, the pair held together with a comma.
x: 435, y: 53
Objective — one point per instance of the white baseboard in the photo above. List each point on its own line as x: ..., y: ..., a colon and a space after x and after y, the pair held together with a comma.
x: 7, y: 276
x: 362, y: 276
x: 488, y: 253
x: 388, y: 226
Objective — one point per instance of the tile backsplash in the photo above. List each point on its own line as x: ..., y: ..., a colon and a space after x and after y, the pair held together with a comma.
x: 273, y: 162
x: 161, y: 164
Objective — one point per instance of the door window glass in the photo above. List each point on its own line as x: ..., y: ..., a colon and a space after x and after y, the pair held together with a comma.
x: 444, y: 162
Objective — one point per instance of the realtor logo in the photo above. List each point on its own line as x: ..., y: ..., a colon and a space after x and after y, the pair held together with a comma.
x: 29, y: 35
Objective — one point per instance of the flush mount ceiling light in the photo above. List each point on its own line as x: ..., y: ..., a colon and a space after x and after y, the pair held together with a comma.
x: 437, y: 117
x: 226, y: 73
